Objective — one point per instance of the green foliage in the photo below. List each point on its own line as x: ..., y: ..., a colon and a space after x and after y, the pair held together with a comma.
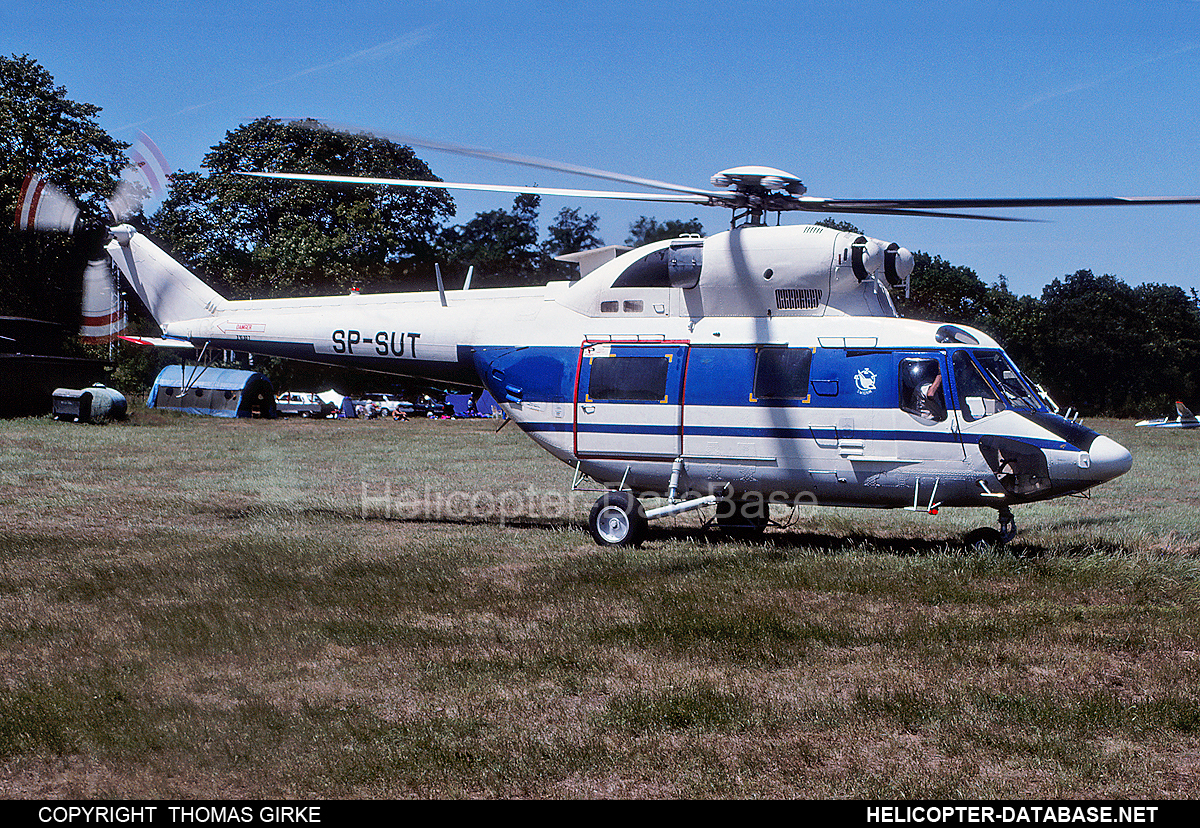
x: 271, y: 238
x: 1097, y: 344
x: 500, y: 245
x: 844, y: 226
x: 943, y: 292
x: 648, y: 229
x: 1108, y: 347
x: 572, y: 232
x: 42, y: 130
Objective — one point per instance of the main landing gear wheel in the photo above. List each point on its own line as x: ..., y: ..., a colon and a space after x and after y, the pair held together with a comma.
x: 743, y: 519
x: 986, y: 537
x: 618, y: 519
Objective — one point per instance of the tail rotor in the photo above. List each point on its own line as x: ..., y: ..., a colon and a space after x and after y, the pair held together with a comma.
x: 44, y: 207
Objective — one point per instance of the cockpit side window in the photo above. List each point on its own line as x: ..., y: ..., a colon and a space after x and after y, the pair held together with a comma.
x: 986, y: 383
x: 976, y: 397
x: 921, y: 389
x: 1007, y: 380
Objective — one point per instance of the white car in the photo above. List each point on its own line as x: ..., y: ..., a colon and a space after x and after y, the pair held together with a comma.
x: 292, y: 403
x: 386, y: 403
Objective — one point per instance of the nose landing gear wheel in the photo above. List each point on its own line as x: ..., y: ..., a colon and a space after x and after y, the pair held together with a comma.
x: 986, y: 537
x: 618, y: 519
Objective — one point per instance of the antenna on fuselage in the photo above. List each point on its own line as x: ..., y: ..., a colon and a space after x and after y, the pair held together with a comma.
x: 437, y: 269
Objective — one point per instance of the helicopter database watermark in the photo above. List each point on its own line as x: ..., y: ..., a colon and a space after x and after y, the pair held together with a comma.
x: 383, y: 500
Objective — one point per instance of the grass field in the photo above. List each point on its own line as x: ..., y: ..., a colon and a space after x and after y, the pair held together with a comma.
x: 204, y: 608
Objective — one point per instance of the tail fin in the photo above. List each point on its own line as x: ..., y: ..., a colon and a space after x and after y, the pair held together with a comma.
x: 168, y: 289
x: 1184, y: 414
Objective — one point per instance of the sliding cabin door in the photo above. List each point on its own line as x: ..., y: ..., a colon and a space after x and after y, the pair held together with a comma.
x: 629, y: 399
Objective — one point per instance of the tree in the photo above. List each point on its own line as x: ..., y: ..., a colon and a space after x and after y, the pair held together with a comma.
x: 500, y: 245
x: 270, y: 238
x: 843, y: 226
x: 44, y: 131
x: 648, y: 229
x: 1109, y: 348
x: 571, y: 233
x: 943, y: 292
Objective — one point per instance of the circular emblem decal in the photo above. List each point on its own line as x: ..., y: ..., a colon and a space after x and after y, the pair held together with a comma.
x: 865, y: 380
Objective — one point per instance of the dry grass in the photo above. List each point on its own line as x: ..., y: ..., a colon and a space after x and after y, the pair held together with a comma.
x: 204, y: 608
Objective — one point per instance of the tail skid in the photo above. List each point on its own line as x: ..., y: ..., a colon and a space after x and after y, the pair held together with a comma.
x: 168, y: 290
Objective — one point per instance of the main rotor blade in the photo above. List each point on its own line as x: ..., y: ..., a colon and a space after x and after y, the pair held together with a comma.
x: 691, y: 198
x: 970, y: 203
x: 897, y: 211
x: 525, y: 160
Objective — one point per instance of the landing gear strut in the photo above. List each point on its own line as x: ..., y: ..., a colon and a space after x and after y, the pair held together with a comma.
x: 986, y: 536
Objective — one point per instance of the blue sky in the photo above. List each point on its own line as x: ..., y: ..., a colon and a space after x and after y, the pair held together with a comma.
x: 858, y: 99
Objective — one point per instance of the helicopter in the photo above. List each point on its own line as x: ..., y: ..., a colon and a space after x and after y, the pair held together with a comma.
x: 763, y: 365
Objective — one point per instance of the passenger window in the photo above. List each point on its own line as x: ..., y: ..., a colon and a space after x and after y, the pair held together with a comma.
x: 976, y: 397
x: 921, y: 389
x: 628, y: 378
x: 782, y: 373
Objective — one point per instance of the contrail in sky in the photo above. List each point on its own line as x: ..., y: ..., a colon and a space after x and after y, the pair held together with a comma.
x: 1079, y: 87
x: 377, y: 52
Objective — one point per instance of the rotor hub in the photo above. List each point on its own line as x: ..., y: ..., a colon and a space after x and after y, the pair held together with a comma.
x: 758, y: 180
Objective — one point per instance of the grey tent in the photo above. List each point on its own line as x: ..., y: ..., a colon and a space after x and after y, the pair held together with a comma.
x: 217, y: 392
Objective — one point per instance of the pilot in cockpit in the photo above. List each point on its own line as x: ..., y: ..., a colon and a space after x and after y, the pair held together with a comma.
x: 923, y: 389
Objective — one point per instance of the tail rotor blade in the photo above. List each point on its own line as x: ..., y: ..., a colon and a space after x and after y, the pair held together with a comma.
x: 103, y: 316
x: 42, y: 206
x: 126, y: 200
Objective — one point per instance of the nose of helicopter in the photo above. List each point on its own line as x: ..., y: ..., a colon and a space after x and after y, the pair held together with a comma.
x: 1109, y: 459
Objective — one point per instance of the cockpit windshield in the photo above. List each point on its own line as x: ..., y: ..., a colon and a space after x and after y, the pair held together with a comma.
x: 988, y: 383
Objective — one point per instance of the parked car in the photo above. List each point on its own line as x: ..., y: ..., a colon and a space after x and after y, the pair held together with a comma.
x: 292, y: 403
x: 386, y: 404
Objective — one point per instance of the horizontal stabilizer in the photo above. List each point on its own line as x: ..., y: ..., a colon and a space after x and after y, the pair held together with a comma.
x: 159, y: 342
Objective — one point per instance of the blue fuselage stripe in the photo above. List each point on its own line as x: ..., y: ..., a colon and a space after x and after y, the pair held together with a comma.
x: 776, y: 433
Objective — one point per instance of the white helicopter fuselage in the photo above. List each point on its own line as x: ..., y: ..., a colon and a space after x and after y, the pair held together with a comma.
x: 763, y: 360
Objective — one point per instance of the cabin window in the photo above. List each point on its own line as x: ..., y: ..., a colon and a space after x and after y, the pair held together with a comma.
x: 921, y: 389
x: 782, y: 373
x: 633, y: 378
x: 609, y: 307
x: 633, y: 306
